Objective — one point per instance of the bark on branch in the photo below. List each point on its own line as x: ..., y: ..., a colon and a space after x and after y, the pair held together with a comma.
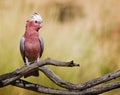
x: 42, y: 89
x: 10, y: 77
x: 86, y: 88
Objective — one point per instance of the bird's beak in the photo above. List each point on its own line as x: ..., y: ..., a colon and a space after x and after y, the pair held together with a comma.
x: 41, y: 24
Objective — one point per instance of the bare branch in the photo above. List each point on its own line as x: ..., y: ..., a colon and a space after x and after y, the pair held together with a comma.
x: 47, y: 90
x: 86, y: 88
x: 10, y: 77
x: 99, y: 80
x: 102, y: 89
x: 49, y: 61
x: 57, y: 80
x: 42, y: 89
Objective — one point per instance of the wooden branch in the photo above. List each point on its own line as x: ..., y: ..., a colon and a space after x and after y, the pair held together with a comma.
x: 86, y: 88
x: 10, y: 77
x: 102, y: 89
x: 102, y: 79
x: 57, y: 80
x: 42, y: 89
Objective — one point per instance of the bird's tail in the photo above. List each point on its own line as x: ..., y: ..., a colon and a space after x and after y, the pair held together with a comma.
x: 34, y: 73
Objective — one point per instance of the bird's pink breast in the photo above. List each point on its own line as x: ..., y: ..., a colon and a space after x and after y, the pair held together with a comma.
x: 32, y: 48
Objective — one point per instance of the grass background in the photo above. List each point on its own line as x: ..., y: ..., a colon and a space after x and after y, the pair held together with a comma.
x: 86, y: 31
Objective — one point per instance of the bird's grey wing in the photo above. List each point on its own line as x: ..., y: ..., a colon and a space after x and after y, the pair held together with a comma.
x: 22, y: 40
x: 41, y: 45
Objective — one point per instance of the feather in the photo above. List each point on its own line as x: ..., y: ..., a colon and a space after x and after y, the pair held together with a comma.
x: 22, y: 40
x: 41, y: 45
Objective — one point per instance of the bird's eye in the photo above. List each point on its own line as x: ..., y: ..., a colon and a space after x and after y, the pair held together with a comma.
x: 36, y: 21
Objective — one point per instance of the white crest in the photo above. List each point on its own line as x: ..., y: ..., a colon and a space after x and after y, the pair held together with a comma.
x: 36, y: 17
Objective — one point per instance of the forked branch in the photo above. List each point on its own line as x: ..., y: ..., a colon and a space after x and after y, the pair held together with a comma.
x: 86, y: 88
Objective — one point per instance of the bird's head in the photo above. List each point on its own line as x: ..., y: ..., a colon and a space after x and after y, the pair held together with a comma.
x: 35, y: 22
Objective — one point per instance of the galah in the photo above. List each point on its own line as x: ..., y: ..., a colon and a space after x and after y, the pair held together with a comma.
x: 31, y: 43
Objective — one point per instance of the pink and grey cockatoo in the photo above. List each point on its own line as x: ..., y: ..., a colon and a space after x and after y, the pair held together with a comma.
x: 31, y: 43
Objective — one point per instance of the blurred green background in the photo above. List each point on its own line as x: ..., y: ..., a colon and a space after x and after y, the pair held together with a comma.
x: 86, y: 31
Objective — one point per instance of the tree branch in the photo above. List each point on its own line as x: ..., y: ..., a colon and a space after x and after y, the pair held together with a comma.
x: 42, y: 89
x: 57, y: 80
x: 99, y: 80
x: 102, y: 89
x: 86, y: 88
x: 10, y: 77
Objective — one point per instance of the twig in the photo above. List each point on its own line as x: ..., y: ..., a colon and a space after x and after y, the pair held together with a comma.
x: 49, y: 61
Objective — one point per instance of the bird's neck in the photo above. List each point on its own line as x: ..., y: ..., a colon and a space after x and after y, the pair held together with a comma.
x: 31, y: 29
x: 31, y: 32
